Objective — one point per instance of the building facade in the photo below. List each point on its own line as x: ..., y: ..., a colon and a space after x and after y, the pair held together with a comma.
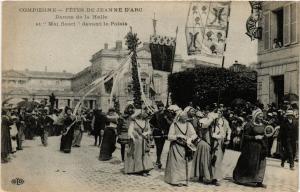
x: 37, y: 85
x: 69, y: 88
x: 278, y: 51
x: 109, y: 59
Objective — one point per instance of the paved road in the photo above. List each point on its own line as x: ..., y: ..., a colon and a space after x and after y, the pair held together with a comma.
x: 46, y: 169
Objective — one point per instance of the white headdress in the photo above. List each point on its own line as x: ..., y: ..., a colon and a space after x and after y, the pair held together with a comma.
x: 175, y: 109
x: 255, y: 113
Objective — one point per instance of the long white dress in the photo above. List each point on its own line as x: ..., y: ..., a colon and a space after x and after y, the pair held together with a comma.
x: 175, y: 172
x: 137, y: 157
x: 220, y: 131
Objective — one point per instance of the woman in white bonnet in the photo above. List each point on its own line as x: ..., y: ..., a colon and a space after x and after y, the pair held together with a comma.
x: 137, y: 157
x: 181, y: 129
x: 251, y: 165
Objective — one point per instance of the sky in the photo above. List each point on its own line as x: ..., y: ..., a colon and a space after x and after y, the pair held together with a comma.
x: 27, y: 46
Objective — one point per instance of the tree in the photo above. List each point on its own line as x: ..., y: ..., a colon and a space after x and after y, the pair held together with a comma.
x: 201, y: 86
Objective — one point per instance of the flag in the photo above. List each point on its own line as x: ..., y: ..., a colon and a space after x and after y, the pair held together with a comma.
x: 162, y: 52
x: 152, y: 92
x: 206, y: 28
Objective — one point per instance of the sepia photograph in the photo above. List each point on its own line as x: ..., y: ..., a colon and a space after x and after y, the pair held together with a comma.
x: 130, y: 96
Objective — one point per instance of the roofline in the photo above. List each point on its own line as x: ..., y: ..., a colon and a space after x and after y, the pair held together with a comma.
x: 26, y: 74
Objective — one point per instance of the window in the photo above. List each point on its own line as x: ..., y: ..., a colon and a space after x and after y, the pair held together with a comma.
x: 144, y: 84
x: 289, y: 24
x: 278, y: 32
x: 266, y: 33
x: 21, y: 82
x: 286, y: 25
x: 12, y: 82
x: 280, y: 27
x: 157, y: 85
x: 108, y: 85
x: 129, y: 88
x: 259, y: 87
x: 293, y: 23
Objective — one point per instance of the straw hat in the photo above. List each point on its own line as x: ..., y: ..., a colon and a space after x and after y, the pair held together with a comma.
x: 289, y: 113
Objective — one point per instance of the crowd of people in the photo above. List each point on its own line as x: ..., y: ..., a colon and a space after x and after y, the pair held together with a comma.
x: 20, y: 124
x: 197, y: 136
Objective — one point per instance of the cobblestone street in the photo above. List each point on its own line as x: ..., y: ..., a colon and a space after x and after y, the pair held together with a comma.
x: 47, y: 169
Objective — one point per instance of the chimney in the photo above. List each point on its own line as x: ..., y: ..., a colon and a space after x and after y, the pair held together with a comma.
x: 105, y: 45
x: 45, y: 68
x: 118, y: 45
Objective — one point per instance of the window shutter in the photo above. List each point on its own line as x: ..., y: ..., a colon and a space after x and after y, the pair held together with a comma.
x: 266, y: 30
x: 286, y: 25
x: 293, y: 23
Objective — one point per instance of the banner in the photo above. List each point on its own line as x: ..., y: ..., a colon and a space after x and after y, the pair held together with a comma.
x: 253, y: 31
x: 206, y: 28
x: 117, y: 79
x: 162, y: 52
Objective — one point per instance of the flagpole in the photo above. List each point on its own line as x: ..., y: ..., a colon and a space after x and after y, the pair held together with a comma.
x: 154, y: 24
x: 223, y: 58
x: 154, y: 33
x: 172, y: 63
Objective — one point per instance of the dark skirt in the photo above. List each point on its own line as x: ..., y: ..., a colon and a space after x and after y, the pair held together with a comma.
x: 29, y: 132
x: 201, y: 166
x: 6, y: 145
x: 123, y: 138
x: 108, y: 145
x: 66, y: 141
x: 251, y: 164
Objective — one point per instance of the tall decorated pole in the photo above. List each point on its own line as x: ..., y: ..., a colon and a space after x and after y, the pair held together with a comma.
x: 162, y: 50
x: 132, y: 42
x: 172, y: 64
x: 223, y: 58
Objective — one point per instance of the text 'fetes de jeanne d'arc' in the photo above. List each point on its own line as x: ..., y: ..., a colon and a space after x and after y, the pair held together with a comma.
x: 107, y: 10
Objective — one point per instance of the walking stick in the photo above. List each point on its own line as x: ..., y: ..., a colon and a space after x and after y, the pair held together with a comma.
x: 187, y: 171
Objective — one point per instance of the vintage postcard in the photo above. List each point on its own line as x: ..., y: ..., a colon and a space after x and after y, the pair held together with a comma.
x: 150, y: 96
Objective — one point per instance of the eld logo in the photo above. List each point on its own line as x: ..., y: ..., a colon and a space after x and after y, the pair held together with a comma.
x: 17, y: 181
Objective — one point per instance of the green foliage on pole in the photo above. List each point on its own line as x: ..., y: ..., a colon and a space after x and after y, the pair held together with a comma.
x: 201, y: 86
x: 116, y: 104
x: 132, y: 42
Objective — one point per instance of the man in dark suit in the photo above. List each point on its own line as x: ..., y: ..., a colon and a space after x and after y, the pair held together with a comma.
x: 160, y: 126
x: 288, y: 137
x: 98, y: 125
